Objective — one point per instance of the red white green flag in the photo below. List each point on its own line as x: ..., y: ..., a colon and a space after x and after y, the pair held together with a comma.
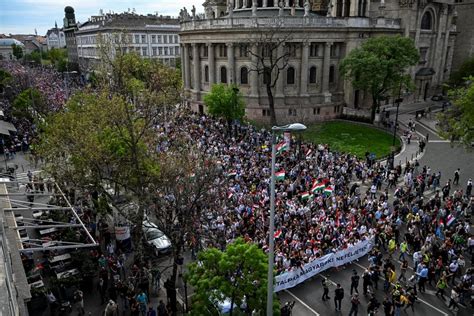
x: 280, y: 175
x: 232, y: 174
x: 317, y: 186
x: 277, y: 234
x: 280, y: 147
x: 328, y: 190
x: 305, y: 195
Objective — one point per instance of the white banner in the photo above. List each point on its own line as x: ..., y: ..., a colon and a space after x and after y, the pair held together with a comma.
x: 122, y: 232
x: 290, y: 279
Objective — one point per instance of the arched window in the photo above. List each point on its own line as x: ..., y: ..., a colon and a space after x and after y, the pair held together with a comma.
x: 244, y: 75
x: 347, y: 7
x: 223, y: 74
x: 339, y: 8
x: 290, y: 75
x: 427, y: 21
x: 331, y: 74
x: 206, y: 73
x: 312, y: 75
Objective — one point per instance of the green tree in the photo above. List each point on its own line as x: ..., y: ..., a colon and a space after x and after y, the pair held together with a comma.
x: 457, y: 123
x: 225, y: 101
x: 458, y: 77
x: 380, y: 66
x: 17, y: 51
x: 5, y: 79
x: 29, y: 104
x: 238, y: 274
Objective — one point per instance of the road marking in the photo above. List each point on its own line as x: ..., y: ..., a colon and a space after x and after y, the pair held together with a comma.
x: 439, y: 141
x: 418, y: 298
x: 302, y: 303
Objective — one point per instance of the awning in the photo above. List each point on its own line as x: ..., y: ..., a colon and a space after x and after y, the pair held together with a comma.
x: 425, y: 73
x: 6, y: 128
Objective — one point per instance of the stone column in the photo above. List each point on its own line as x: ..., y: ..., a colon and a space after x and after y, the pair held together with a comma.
x: 187, y: 73
x: 197, y: 68
x: 275, y: 3
x: 253, y: 74
x: 304, y: 69
x: 279, y: 83
x: 183, y: 74
x: 438, y: 48
x: 265, y: 3
x: 287, y: 3
x: 326, y: 64
x: 236, y: 4
x: 212, y: 64
x: 244, y: 4
x: 231, y: 62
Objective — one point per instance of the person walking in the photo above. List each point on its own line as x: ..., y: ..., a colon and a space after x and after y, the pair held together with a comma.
x: 355, y: 282
x: 441, y: 286
x: 151, y: 311
x: 354, y: 305
x: 79, y: 301
x: 469, y: 188
x: 457, y: 173
x: 338, y: 296
x: 403, y: 250
x: 366, y: 281
x: 325, y: 284
x: 403, y: 270
x: 453, y: 303
x: 162, y: 311
x: 423, y: 277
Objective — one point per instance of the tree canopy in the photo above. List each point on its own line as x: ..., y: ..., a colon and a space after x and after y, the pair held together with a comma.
x: 380, y: 66
x: 29, y: 104
x: 457, y: 123
x: 459, y: 77
x: 238, y: 274
x: 17, y: 51
x: 225, y: 101
x: 5, y: 78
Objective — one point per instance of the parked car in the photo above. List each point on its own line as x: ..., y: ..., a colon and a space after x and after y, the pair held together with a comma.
x: 155, y: 238
x: 437, y: 97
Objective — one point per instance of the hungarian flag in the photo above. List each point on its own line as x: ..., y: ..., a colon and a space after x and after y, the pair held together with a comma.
x: 308, y: 153
x: 317, y: 186
x: 229, y: 195
x: 277, y: 234
x: 280, y: 175
x: 282, y: 147
x: 328, y: 190
x: 232, y: 174
x: 305, y: 195
x: 450, y: 219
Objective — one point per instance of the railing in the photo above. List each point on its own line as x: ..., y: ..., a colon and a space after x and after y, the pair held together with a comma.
x: 288, y: 21
x: 11, y: 297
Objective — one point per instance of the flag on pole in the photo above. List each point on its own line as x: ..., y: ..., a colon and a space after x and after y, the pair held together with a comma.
x: 280, y: 175
x: 308, y: 153
x: 450, y: 219
x: 230, y: 195
x: 280, y: 147
x: 305, y: 195
x: 277, y: 234
x: 317, y: 186
x: 232, y: 174
x: 328, y: 190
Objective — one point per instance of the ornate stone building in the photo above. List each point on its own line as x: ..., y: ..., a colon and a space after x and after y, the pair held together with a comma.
x: 217, y: 47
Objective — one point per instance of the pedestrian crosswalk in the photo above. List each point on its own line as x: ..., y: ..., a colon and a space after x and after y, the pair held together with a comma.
x: 23, y: 176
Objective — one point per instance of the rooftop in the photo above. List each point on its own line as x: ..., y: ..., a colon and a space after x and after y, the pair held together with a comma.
x: 10, y: 42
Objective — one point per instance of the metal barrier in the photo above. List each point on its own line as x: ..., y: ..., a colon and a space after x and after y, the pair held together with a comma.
x: 12, y: 306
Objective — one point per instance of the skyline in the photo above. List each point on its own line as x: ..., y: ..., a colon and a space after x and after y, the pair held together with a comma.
x: 24, y: 16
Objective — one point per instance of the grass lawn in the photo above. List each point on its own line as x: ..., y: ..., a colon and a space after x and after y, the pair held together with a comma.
x: 349, y: 137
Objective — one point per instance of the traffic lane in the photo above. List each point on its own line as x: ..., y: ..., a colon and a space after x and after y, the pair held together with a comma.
x: 300, y: 307
x: 423, y: 131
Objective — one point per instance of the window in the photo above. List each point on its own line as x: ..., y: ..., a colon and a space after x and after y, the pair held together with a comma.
x: 291, y: 49
x: 222, y: 50
x: 265, y: 112
x: 427, y: 21
x: 172, y: 50
x: 143, y: 38
x: 171, y: 38
x: 312, y: 75
x: 159, y: 39
x: 316, y: 111
x: 313, y: 50
x: 244, y: 50
x: 153, y: 51
x: 206, y: 73
x: 153, y: 39
x: 290, y: 75
x: 177, y: 50
x: 166, y: 51
x: 137, y: 39
x: 336, y: 109
x: 244, y: 75
x: 292, y: 112
x: 144, y: 51
x: 331, y: 74
x: 423, y: 54
x: 267, y: 76
x: 176, y: 39
x: 223, y: 74
x: 335, y: 50
x: 160, y: 51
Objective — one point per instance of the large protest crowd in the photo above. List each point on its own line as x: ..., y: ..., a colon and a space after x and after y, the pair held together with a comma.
x: 326, y: 201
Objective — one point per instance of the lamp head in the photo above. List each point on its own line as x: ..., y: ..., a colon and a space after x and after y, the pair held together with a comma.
x: 294, y: 127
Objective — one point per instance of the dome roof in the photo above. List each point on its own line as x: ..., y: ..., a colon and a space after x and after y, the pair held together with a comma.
x: 69, y: 9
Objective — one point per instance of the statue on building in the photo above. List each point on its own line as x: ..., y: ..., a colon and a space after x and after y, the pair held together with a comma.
x: 306, y: 8
x: 281, y: 10
x: 254, y: 8
x: 208, y: 11
x: 230, y: 9
x: 293, y: 10
x: 193, y: 11
x: 330, y: 5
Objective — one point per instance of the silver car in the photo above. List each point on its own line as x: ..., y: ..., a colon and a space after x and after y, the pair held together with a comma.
x: 155, y: 238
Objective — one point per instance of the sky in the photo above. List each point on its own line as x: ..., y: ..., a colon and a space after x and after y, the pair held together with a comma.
x: 24, y: 16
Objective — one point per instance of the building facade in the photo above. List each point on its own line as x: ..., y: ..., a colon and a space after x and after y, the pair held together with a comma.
x: 464, y: 47
x: 55, y: 38
x: 150, y: 36
x: 69, y: 29
x: 6, y: 48
x: 217, y: 48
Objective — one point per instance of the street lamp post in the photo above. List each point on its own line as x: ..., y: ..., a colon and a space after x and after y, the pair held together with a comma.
x: 398, y: 101
x: 295, y: 127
